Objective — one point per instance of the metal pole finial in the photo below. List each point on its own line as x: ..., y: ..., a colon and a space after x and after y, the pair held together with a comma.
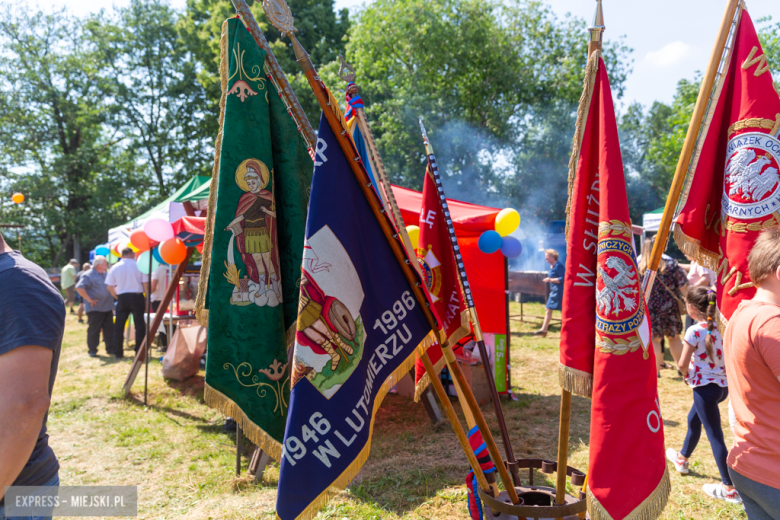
x: 426, y: 142
x: 597, y: 27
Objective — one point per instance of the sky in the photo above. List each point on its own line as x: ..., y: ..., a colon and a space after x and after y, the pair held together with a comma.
x: 672, y: 39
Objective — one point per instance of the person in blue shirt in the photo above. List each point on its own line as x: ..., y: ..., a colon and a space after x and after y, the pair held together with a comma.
x: 99, y: 305
x: 32, y: 322
x: 555, y: 279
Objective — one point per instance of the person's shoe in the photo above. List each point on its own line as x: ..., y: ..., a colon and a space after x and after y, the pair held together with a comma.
x: 81, y: 320
x: 719, y: 492
x: 680, y: 465
x: 92, y: 354
x: 72, y: 311
x: 541, y: 333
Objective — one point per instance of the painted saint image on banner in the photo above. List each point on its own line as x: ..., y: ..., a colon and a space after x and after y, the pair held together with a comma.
x: 254, y: 235
x: 330, y: 333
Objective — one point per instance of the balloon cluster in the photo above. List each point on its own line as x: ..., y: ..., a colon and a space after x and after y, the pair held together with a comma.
x: 155, y: 239
x: 507, y: 222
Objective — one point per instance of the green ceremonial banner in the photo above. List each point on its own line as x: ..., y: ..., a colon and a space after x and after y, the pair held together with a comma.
x: 254, y: 245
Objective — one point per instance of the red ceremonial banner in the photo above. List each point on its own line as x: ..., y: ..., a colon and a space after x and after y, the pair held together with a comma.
x: 436, y: 258
x: 627, y: 474
x: 733, y: 190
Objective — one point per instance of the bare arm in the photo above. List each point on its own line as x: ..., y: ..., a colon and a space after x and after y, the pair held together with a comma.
x: 24, y: 396
x: 154, y: 285
x: 685, y: 358
x: 146, y: 287
x: 112, y: 290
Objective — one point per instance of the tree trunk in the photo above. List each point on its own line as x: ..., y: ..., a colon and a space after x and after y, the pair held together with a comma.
x: 56, y: 260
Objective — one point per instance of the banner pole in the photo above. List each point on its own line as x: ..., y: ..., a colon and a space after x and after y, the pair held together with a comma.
x: 689, y: 145
x: 148, y: 339
x: 465, y: 288
x: 280, y: 16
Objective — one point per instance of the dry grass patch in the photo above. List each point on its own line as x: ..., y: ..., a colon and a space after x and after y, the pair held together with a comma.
x: 175, y: 451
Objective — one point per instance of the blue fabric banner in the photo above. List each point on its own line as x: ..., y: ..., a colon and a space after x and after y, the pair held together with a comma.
x: 359, y: 327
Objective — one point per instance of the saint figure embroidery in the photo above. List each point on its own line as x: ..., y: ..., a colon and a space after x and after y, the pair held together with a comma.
x: 254, y: 233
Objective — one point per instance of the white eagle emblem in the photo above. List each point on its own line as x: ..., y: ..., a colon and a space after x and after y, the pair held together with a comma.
x: 744, y: 174
x: 617, y: 289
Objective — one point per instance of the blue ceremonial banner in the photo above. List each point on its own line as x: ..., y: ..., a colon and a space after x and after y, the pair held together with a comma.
x: 359, y: 327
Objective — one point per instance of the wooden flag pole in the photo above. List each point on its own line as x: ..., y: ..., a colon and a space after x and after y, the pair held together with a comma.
x: 594, y: 44
x: 689, y: 145
x: 148, y: 338
x: 388, y: 198
x: 280, y: 16
x: 158, y: 317
x: 465, y: 288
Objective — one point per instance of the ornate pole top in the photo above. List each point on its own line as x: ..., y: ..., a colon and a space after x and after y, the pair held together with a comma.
x: 346, y: 71
x: 428, y: 147
x: 281, y: 17
x: 596, y: 29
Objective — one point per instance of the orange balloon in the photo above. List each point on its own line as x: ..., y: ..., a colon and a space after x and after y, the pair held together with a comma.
x: 139, y: 239
x: 173, y: 251
x: 18, y: 198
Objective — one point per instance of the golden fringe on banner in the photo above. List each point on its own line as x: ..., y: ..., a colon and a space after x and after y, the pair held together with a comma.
x: 579, y: 130
x: 459, y: 334
x: 201, y: 312
x: 354, y: 468
x: 650, y: 509
x: 228, y: 407
x: 575, y: 381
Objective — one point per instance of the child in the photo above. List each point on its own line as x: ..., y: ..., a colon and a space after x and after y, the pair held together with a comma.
x: 703, y: 367
x: 753, y: 365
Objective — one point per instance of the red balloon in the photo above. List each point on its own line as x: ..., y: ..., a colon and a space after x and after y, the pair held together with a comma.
x: 139, y: 239
x: 173, y: 251
x: 199, y: 247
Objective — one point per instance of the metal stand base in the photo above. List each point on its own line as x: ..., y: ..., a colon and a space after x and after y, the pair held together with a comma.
x: 537, y: 501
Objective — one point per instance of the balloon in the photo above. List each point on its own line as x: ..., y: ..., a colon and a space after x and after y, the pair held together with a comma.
x: 18, y: 198
x: 115, y: 250
x: 507, y: 221
x: 156, y: 254
x: 414, y: 235
x: 125, y: 245
x: 489, y: 242
x: 158, y: 229
x: 199, y: 247
x: 143, y: 262
x: 139, y: 239
x: 511, y: 247
x: 102, y: 250
x: 173, y: 251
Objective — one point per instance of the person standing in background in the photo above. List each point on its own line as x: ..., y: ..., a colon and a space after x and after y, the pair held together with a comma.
x: 68, y: 282
x: 128, y: 284
x: 80, y: 311
x: 669, y: 289
x: 160, y: 285
x: 32, y: 322
x: 100, y: 307
x: 555, y: 279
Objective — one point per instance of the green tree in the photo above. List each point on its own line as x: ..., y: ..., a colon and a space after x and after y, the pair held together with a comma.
x: 769, y: 35
x: 497, y: 84
x: 54, y: 144
x: 157, y: 103
x: 321, y: 31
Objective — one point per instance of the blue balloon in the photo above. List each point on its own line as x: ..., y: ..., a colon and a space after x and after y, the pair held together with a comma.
x: 157, y: 256
x: 511, y: 247
x: 489, y: 242
x: 102, y: 251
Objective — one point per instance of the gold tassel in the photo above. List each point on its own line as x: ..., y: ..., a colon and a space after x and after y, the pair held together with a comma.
x: 650, y: 508
x: 343, y: 480
x: 425, y: 380
x: 579, y: 129
x: 575, y: 381
x: 228, y: 407
x: 201, y: 313
x: 693, y: 248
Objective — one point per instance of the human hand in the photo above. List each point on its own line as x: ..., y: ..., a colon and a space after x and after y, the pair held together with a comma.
x: 92, y: 301
x: 547, y: 280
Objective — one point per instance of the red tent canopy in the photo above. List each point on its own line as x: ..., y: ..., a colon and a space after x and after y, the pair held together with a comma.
x: 485, y: 272
x: 190, y: 230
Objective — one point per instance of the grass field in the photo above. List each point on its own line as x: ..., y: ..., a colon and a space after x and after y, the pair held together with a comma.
x: 174, y: 450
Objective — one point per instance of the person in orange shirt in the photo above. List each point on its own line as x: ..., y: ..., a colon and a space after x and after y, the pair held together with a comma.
x: 753, y: 367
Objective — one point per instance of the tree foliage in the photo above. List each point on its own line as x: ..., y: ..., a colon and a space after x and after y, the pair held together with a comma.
x: 496, y: 83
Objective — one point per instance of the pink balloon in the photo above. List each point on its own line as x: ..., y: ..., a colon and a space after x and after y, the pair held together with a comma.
x: 158, y: 230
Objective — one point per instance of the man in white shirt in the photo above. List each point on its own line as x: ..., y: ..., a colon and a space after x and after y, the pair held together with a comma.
x: 160, y: 284
x: 127, y: 284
